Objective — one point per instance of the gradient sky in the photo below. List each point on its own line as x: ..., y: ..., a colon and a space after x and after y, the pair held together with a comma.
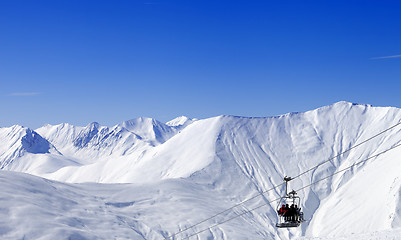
x: 110, y: 61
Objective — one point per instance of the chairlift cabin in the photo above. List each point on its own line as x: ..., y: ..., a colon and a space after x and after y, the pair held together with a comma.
x: 289, y: 212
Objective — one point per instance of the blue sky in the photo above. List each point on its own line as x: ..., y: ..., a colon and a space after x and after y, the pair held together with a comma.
x: 110, y: 61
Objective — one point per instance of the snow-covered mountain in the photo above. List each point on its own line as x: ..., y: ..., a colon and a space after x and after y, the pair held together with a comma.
x: 185, y: 171
x: 18, y: 140
x: 24, y: 150
x: 94, y: 143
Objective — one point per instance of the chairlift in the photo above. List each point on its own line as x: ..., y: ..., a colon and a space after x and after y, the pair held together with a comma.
x: 291, y: 215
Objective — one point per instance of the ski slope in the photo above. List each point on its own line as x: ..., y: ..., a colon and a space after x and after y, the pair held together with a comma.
x: 143, y: 179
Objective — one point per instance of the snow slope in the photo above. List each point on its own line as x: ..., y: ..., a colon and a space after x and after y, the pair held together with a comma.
x: 183, y: 172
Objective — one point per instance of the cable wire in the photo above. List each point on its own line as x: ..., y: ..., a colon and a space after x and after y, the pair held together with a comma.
x: 309, y: 185
x: 238, y: 204
x: 353, y: 165
x: 357, y: 145
x: 274, y: 187
x: 236, y: 216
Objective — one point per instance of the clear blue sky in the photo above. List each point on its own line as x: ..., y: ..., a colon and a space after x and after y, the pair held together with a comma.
x: 110, y: 61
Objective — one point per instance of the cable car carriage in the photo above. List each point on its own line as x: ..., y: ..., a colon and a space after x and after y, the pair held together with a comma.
x: 289, y: 212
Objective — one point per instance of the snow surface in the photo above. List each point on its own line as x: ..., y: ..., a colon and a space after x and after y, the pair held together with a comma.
x: 166, y: 177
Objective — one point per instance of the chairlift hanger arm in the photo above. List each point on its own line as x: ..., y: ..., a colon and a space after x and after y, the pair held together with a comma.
x: 287, y: 179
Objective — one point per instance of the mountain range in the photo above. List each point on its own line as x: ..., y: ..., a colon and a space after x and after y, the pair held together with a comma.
x: 143, y: 179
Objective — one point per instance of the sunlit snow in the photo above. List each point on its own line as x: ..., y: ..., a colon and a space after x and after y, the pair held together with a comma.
x: 143, y: 179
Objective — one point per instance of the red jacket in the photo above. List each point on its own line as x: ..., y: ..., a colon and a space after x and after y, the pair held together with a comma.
x: 282, y: 210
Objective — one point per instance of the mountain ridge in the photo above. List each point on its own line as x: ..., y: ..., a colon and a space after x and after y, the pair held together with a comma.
x: 213, y: 164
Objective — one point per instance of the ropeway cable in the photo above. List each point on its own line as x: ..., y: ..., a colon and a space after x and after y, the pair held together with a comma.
x: 357, y: 145
x: 238, y: 204
x: 353, y: 165
x: 309, y: 185
x: 274, y: 187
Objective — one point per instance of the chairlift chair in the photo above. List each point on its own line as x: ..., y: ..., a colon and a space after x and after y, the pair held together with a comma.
x: 289, y: 198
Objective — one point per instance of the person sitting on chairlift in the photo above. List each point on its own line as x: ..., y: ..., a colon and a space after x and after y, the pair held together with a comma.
x: 287, y: 213
x: 281, y: 211
x: 292, y: 213
x: 297, y: 211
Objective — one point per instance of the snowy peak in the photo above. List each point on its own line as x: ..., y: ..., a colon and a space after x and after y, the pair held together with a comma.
x: 343, y: 106
x: 18, y: 140
x: 93, y: 132
x: 149, y: 129
x: 60, y: 135
x: 24, y: 139
x: 32, y: 142
x: 180, y: 122
x: 94, y: 142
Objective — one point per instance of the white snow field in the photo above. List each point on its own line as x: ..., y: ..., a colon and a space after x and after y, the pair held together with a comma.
x: 143, y: 179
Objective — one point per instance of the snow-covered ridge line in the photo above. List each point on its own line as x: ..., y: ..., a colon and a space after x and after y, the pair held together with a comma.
x: 141, y: 140
x: 81, y: 145
x: 181, y: 173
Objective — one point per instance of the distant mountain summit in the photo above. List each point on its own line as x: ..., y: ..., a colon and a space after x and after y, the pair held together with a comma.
x: 24, y: 150
x: 149, y: 129
x: 18, y: 141
x: 180, y: 121
x: 92, y: 133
